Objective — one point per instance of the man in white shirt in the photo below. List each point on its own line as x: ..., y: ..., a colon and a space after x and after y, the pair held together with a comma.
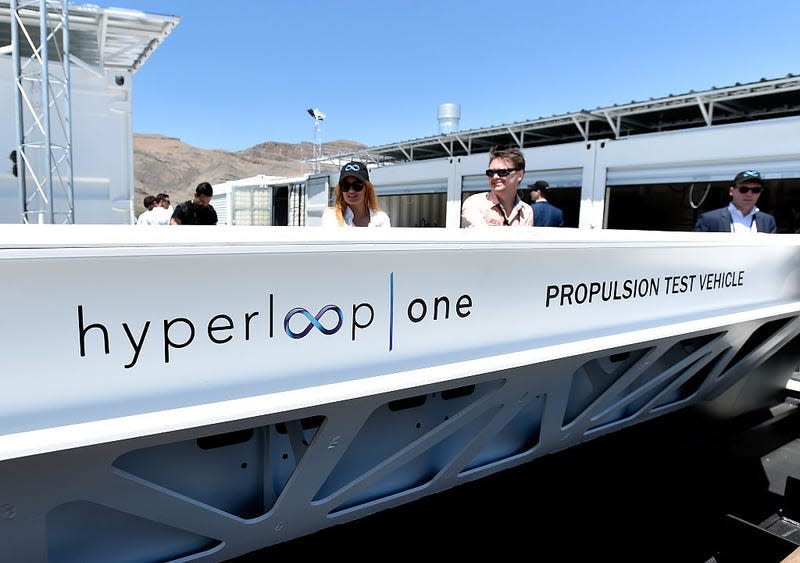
x: 160, y: 214
x: 149, y: 203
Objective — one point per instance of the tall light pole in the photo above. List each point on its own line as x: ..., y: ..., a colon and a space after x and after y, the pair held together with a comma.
x: 318, y: 117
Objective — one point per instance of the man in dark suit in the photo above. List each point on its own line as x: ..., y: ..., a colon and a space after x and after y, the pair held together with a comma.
x: 545, y: 214
x: 741, y: 214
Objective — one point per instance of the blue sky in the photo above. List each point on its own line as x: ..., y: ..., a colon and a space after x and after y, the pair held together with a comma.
x: 237, y: 73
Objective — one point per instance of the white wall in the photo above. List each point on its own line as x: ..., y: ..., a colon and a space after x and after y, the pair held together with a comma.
x: 102, y: 148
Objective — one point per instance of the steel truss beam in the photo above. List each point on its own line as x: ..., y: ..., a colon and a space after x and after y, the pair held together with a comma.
x: 43, y: 111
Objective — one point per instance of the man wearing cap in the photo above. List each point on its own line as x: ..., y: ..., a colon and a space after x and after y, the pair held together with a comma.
x: 545, y: 214
x: 741, y: 215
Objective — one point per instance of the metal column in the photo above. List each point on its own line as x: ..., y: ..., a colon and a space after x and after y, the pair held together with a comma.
x: 43, y: 111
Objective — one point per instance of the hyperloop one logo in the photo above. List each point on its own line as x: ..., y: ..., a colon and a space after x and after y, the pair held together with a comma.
x: 325, y: 322
x: 313, y: 321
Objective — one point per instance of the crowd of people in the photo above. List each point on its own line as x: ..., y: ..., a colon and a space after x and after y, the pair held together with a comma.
x: 356, y: 202
x: 195, y: 211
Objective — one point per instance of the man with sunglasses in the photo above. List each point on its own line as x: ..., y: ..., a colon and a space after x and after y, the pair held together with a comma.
x: 741, y: 215
x: 501, y: 205
x: 161, y: 213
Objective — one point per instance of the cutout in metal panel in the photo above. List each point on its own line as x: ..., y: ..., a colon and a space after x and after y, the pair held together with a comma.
x: 595, y: 377
x: 756, y: 339
x: 405, y: 443
x: 641, y: 384
x: 91, y: 533
x: 222, y: 440
x: 521, y: 435
x: 241, y: 472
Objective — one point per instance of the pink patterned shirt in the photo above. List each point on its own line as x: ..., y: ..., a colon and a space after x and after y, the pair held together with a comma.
x: 485, y: 209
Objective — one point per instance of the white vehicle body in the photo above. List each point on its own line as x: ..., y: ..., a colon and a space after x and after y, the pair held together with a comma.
x: 311, y: 377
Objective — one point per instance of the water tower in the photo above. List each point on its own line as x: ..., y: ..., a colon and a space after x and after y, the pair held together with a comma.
x: 449, y: 116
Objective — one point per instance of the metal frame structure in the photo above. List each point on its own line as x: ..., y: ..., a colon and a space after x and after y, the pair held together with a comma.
x: 764, y: 99
x: 211, y: 494
x: 48, y: 40
x: 44, y: 130
x: 317, y: 156
x: 218, y: 469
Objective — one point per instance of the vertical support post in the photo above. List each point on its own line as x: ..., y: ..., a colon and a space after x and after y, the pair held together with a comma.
x: 48, y: 153
x: 21, y: 158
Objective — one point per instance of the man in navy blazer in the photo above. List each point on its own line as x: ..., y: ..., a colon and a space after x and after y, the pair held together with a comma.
x: 545, y: 214
x: 741, y: 214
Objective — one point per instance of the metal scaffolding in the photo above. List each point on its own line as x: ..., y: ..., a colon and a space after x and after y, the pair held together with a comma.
x: 43, y: 110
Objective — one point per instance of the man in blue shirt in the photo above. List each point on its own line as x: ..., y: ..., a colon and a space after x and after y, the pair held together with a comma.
x: 545, y: 214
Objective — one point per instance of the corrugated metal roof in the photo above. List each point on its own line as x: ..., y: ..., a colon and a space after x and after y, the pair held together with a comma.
x: 99, y: 37
x: 763, y: 99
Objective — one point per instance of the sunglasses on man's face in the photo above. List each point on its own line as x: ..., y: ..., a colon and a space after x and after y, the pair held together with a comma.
x: 745, y: 189
x: 356, y: 186
x: 502, y: 172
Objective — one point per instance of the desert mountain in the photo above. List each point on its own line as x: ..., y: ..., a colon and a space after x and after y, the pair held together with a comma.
x: 165, y: 164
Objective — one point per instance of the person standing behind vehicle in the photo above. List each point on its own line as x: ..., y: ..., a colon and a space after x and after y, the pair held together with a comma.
x: 149, y: 202
x: 160, y: 214
x: 501, y: 205
x: 355, y: 200
x: 545, y: 214
x: 198, y: 210
x: 741, y: 215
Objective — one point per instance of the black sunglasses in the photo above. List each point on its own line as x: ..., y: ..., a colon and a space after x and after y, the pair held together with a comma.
x: 357, y: 186
x: 502, y: 172
x: 745, y: 189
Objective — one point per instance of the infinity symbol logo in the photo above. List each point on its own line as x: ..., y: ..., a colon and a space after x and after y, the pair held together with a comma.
x: 352, y: 168
x: 313, y: 321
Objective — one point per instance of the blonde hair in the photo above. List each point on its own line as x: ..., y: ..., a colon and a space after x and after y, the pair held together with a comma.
x: 340, y: 205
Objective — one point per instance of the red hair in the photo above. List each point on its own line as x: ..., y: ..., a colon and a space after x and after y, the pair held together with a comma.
x: 340, y: 205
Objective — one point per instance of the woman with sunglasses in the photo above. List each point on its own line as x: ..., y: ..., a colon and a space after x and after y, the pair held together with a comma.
x: 501, y: 205
x: 356, y: 204
x: 741, y: 215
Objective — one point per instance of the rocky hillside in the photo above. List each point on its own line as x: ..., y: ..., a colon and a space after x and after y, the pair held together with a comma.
x: 165, y: 164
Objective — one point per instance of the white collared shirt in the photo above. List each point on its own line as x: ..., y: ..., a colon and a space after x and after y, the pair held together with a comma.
x: 742, y: 223
x: 376, y: 218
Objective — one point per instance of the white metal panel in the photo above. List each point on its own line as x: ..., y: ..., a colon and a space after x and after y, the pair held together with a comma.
x: 289, y: 405
x: 705, y: 154
x: 102, y: 148
x: 404, y: 189
x: 570, y: 177
x: 317, y: 190
x: 388, y: 319
x: 221, y: 202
